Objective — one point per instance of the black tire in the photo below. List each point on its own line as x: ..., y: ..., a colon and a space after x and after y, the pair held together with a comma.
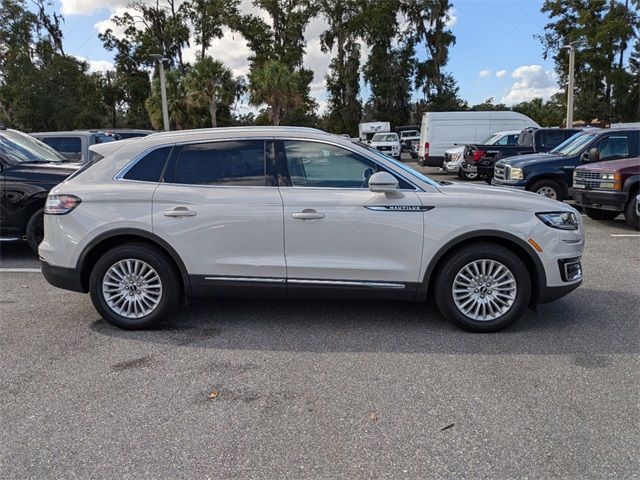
x: 597, y: 214
x: 542, y: 186
x: 35, y: 230
x: 487, y: 179
x: 169, y: 277
x: 469, y: 177
x: 456, y: 262
x: 630, y: 214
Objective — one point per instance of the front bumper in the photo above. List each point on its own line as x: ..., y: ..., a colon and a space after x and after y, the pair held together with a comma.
x: 61, y: 277
x: 549, y: 294
x: 601, y: 200
x: 519, y: 184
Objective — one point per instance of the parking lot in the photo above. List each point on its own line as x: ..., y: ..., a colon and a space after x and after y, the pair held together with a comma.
x: 324, y: 389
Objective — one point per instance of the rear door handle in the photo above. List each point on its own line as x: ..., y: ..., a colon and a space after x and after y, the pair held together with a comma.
x: 308, y: 214
x: 179, y: 212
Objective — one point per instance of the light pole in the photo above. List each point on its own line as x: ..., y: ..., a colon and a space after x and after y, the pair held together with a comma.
x: 163, y: 89
x: 572, y: 64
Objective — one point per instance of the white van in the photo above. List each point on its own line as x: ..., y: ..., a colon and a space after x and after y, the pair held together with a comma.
x: 441, y: 131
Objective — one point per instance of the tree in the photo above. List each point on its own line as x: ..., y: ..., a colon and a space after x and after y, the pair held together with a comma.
x: 607, y: 28
x: 547, y: 114
x: 389, y: 68
x: 272, y: 83
x: 208, y: 18
x: 212, y: 84
x: 344, y: 18
x: 281, y: 40
x: 427, y: 27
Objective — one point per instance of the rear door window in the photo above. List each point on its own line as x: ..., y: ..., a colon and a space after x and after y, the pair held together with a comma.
x: 240, y: 163
x: 70, y: 147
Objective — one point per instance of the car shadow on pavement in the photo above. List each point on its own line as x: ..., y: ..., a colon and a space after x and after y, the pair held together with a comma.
x: 586, y: 322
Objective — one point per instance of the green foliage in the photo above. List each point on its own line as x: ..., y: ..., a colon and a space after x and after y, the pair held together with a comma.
x: 548, y: 114
x: 208, y: 18
x: 209, y: 83
x: 273, y: 84
x: 603, y: 77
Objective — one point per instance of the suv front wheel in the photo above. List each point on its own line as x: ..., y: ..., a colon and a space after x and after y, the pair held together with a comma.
x: 134, y: 286
x: 483, y: 287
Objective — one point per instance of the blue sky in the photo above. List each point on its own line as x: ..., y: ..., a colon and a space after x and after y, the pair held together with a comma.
x: 495, y: 54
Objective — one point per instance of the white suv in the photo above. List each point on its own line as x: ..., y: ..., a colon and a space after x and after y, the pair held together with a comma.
x: 292, y: 212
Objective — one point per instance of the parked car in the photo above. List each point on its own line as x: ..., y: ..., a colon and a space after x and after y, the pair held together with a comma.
x: 551, y: 174
x: 74, y: 144
x: 388, y: 143
x: 604, y: 190
x: 125, y: 133
x: 28, y: 170
x: 480, y: 159
x: 200, y: 213
x: 408, y: 138
x: 441, y: 131
x: 454, y: 157
x: 367, y: 130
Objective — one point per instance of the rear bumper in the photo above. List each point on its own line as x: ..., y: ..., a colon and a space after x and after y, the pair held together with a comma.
x: 614, y: 201
x: 65, y: 278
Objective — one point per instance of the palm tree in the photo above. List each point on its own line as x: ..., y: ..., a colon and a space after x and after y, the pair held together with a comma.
x: 276, y: 85
x: 211, y: 83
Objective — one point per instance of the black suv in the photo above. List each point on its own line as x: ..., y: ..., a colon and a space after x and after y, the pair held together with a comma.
x: 28, y: 170
x: 551, y: 174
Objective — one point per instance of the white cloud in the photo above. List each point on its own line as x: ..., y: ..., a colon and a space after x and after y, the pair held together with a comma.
x: 452, y: 17
x: 501, y: 73
x: 531, y: 81
x: 97, y: 65
x: 485, y: 73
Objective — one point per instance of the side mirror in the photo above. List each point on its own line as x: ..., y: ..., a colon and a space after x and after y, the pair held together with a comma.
x: 383, y: 182
x: 594, y: 155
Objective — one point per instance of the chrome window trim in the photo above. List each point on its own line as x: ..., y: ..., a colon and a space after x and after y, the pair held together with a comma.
x: 123, y: 171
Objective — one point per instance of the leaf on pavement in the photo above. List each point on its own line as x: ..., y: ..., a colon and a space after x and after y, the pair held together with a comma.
x: 214, y: 394
x: 373, y: 416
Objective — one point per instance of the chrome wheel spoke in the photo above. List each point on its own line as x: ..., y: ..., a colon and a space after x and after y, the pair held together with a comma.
x: 484, y: 290
x: 132, y: 288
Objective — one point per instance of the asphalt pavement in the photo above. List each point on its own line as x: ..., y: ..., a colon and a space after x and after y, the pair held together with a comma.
x: 324, y: 389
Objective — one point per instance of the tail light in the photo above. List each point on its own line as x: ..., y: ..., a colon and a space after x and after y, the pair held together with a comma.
x: 60, y: 204
x: 478, y: 155
x: 426, y: 149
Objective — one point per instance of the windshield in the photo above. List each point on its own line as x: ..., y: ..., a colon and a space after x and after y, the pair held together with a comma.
x: 17, y: 147
x: 385, y: 137
x: 574, y: 144
x: 399, y: 165
x: 491, y: 139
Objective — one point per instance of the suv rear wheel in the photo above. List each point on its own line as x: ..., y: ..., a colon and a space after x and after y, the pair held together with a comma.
x: 468, y: 176
x: 631, y: 213
x: 483, y: 288
x: 134, y: 286
x: 35, y: 230
x: 548, y: 188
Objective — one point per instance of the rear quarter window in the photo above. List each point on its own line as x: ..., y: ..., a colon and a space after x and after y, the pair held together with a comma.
x: 149, y: 168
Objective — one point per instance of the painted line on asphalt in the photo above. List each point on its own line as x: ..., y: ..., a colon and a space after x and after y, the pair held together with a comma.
x: 625, y: 234
x: 20, y: 270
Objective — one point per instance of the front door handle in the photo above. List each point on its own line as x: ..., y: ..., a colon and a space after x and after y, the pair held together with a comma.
x: 308, y: 214
x: 179, y: 212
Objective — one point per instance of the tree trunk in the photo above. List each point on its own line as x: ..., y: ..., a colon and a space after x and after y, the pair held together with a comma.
x: 275, y: 114
x: 213, y: 111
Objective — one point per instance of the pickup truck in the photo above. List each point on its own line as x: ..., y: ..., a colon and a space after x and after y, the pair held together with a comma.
x: 604, y: 190
x: 551, y: 174
x: 480, y: 159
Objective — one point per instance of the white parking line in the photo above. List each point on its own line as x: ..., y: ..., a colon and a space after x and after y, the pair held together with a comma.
x: 20, y: 270
x: 625, y: 234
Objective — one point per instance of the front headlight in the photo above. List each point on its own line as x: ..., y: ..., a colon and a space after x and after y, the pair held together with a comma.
x: 514, y: 173
x: 561, y: 220
x: 608, y: 176
x: 455, y: 157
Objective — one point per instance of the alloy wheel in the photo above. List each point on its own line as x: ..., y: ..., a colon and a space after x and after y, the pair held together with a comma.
x: 484, y: 290
x: 132, y: 288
